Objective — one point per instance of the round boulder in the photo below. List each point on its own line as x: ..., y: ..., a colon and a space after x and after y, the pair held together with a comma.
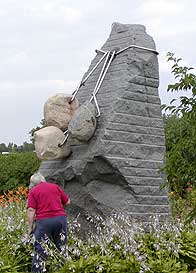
x: 47, y: 142
x: 83, y: 123
x: 59, y: 109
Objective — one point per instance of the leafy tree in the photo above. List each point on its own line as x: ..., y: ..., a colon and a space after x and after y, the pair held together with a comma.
x: 3, y: 148
x: 10, y: 147
x: 180, y: 128
x: 13, y: 148
x: 186, y: 82
x: 26, y: 147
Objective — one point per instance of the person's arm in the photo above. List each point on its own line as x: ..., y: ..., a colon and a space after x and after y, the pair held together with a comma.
x: 30, y: 219
x: 67, y: 203
x: 65, y: 199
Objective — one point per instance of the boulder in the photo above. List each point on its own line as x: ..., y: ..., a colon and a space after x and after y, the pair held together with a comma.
x: 83, y: 123
x: 59, y: 109
x: 47, y: 140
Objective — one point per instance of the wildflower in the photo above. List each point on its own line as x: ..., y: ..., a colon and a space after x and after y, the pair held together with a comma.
x: 62, y: 237
x: 100, y: 268
x: 25, y: 192
x: 157, y: 246
x: 171, y: 193
x: 10, y: 199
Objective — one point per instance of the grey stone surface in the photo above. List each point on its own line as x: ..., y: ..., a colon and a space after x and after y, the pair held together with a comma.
x: 83, y: 123
x: 119, y: 168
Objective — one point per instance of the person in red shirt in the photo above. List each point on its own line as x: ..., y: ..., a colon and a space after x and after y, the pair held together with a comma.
x: 45, y: 207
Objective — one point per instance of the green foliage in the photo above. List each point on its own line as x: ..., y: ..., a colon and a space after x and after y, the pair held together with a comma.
x: 11, y: 147
x: 119, y: 246
x: 15, y: 254
x: 98, y: 263
x: 180, y: 164
x: 180, y: 131
x: 16, y: 169
x: 161, y: 246
x: 186, y: 81
x: 3, y: 147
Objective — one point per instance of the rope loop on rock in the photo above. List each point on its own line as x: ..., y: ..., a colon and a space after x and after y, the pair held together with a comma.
x: 86, y: 78
x: 108, y: 56
x: 65, y: 139
x: 130, y: 46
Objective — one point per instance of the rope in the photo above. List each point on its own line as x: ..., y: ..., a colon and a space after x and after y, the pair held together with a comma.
x: 108, y: 56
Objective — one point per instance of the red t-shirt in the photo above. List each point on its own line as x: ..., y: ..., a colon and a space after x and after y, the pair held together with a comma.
x: 47, y: 199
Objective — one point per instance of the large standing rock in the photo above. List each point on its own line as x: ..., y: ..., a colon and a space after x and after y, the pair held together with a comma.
x: 120, y: 166
x: 83, y: 123
x: 59, y: 109
x: 47, y: 140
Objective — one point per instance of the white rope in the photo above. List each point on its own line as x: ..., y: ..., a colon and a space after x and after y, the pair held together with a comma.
x: 109, y: 58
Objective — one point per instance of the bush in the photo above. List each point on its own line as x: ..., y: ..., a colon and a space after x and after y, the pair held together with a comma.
x: 180, y: 153
x: 16, y: 169
x: 180, y: 129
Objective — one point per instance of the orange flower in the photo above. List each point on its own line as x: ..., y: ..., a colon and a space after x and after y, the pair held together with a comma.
x: 2, y: 203
x: 20, y: 189
x: 10, y: 199
x: 25, y: 192
x: 14, y: 196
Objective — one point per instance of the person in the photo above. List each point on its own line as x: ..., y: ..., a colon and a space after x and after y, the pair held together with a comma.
x: 45, y: 208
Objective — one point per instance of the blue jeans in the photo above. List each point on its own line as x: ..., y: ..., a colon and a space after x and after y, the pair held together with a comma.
x: 55, y: 229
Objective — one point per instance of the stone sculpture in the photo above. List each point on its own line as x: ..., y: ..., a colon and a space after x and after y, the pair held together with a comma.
x: 119, y: 168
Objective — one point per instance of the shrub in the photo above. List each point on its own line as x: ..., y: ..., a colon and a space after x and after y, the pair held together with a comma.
x: 180, y: 129
x: 16, y: 169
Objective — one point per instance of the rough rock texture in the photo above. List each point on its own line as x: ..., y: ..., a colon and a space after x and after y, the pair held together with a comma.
x: 58, y: 110
x: 120, y: 166
x: 46, y: 143
x: 83, y: 123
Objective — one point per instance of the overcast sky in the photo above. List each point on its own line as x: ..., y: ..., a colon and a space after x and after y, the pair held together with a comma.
x: 47, y: 45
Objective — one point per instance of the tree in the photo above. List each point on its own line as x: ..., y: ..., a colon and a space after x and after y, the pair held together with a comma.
x: 3, y: 148
x: 186, y: 82
x: 180, y: 129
